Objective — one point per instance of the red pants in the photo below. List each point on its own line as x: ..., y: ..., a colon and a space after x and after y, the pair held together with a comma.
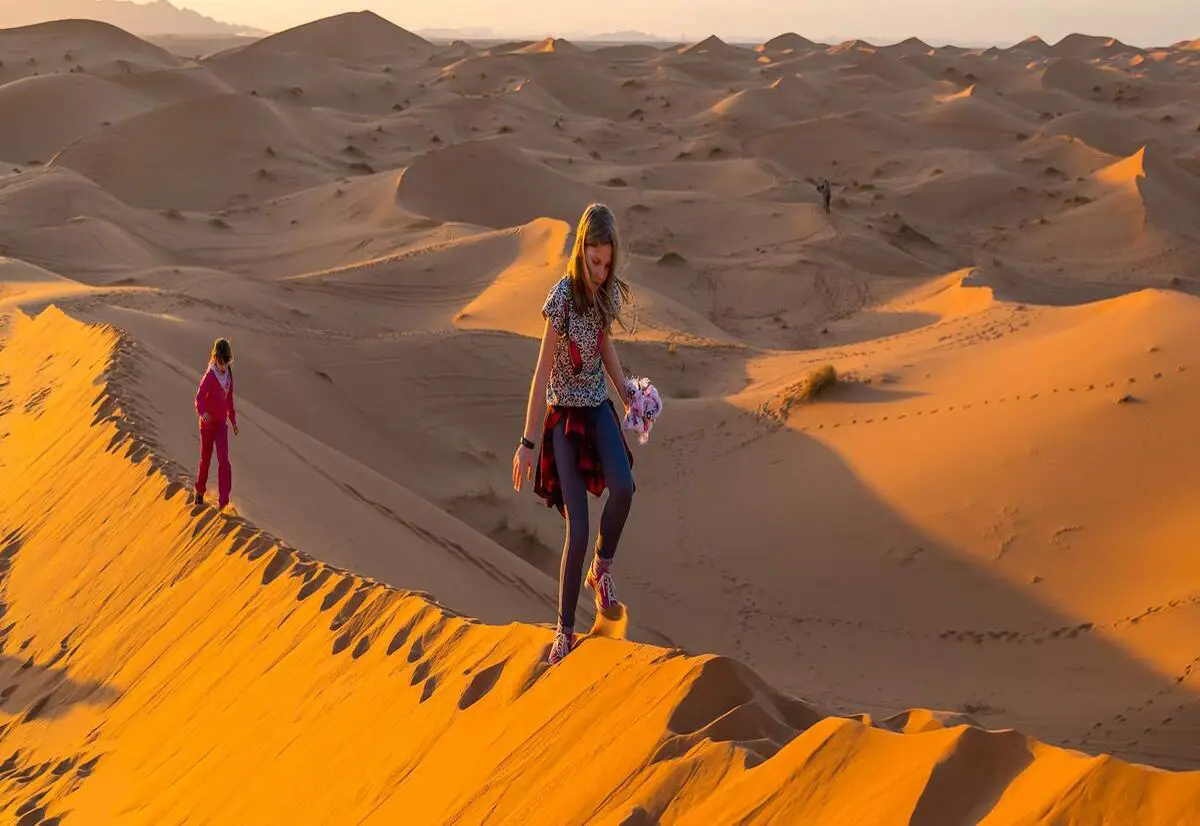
x: 217, y: 437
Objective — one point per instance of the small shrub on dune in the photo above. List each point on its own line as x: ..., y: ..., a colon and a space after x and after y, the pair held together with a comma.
x: 817, y: 382
x: 805, y: 391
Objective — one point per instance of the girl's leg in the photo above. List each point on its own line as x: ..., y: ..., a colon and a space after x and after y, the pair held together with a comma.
x: 206, y: 451
x: 575, y: 548
x: 224, y: 470
x: 618, y: 478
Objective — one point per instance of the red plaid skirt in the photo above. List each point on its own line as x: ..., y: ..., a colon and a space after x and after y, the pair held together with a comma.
x: 580, y: 428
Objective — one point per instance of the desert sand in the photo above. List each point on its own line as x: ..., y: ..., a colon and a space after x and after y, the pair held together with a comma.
x: 959, y: 586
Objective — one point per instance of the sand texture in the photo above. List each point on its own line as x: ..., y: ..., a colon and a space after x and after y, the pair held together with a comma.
x: 959, y: 586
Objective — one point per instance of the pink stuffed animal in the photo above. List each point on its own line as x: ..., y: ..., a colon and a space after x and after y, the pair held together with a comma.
x: 644, y: 408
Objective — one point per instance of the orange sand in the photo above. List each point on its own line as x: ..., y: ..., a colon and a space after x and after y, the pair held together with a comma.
x: 991, y: 515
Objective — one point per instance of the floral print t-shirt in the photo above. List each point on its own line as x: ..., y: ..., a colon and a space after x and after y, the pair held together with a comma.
x: 565, y: 388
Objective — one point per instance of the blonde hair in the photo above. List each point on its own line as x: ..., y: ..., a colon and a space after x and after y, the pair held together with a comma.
x: 598, y: 227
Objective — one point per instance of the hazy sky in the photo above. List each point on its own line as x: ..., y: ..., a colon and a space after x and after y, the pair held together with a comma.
x: 1148, y: 22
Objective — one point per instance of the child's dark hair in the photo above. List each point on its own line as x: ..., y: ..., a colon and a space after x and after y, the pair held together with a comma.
x: 221, y: 351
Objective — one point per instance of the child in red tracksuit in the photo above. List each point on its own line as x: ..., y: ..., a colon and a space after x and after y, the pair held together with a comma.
x: 214, y: 405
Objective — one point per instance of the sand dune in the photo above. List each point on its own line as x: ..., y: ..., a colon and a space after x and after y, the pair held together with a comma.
x: 1109, y: 133
x: 790, y: 42
x: 968, y: 557
x: 813, y: 144
x: 530, y: 189
x: 355, y: 37
x: 973, y: 121
x: 711, y: 61
x: 173, y: 85
x: 24, y: 282
x: 1087, y: 81
x: 852, y: 48
x: 206, y: 154
x: 887, y: 67
x: 1090, y: 46
x: 932, y: 65
x: 1033, y: 45
x: 1164, y: 189
x: 628, y: 52
x: 908, y: 47
x: 784, y: 101
x: 311, y: 654
x: 200, y: 46
x: 566, y: 83
x: 553, y: 45
x: 58, y: 219
x: 43, y: 114
x: 77, y: 45
x: 311, y: 80
x: 715, y: 48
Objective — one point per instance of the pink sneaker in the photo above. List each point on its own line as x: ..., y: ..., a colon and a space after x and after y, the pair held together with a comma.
x: 564, y: 641
x: 600, y: 580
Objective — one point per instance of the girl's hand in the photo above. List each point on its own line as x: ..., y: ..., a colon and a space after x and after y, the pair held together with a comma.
x: 626, y: 398
x: 522, y: 466
x: 235, y: 430
x: 206, y: 418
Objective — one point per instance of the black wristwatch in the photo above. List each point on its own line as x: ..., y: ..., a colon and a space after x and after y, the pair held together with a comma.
x: 526, y: 443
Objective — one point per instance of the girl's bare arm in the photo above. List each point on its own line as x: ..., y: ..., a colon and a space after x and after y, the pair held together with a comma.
x: 612, y: 366
x: 536, y: 407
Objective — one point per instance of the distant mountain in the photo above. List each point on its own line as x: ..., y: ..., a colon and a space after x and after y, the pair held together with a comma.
x: 158, y: 17
x: 623, y: 37
x: 476, y: 33
x: 483, y: 33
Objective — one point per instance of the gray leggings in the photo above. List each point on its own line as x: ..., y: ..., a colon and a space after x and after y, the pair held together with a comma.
x: 618, y: 478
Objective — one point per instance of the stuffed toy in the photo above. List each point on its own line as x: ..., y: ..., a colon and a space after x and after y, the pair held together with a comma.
x: 644, y: 408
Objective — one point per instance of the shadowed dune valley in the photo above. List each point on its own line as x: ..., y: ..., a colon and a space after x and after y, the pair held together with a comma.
x: 913, y: 541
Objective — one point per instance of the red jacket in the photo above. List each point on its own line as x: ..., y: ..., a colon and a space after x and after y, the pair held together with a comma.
x: 214, y: 400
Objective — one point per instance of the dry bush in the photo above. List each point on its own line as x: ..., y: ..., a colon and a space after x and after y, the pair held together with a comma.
x: 805, y: 391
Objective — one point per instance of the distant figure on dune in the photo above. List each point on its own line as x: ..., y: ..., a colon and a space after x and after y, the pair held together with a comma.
x: 214, y: 405
x: 826, y: 192
x: 583, y: 449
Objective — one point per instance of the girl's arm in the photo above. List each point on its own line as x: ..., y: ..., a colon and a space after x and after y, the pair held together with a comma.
x: 202, y: 395
x: 233, y: 412
x: 612, y: 365
x: 536, y: 407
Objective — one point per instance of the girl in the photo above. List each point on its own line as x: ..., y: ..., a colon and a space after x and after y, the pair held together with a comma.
x: 582, y: 447
x: 214, y: 404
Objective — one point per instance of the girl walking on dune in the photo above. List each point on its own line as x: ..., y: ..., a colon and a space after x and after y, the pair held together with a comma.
x: 582, y: 448
x: 214, y: 406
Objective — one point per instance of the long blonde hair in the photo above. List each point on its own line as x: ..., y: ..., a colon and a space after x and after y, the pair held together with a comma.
x: 597, y: 227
